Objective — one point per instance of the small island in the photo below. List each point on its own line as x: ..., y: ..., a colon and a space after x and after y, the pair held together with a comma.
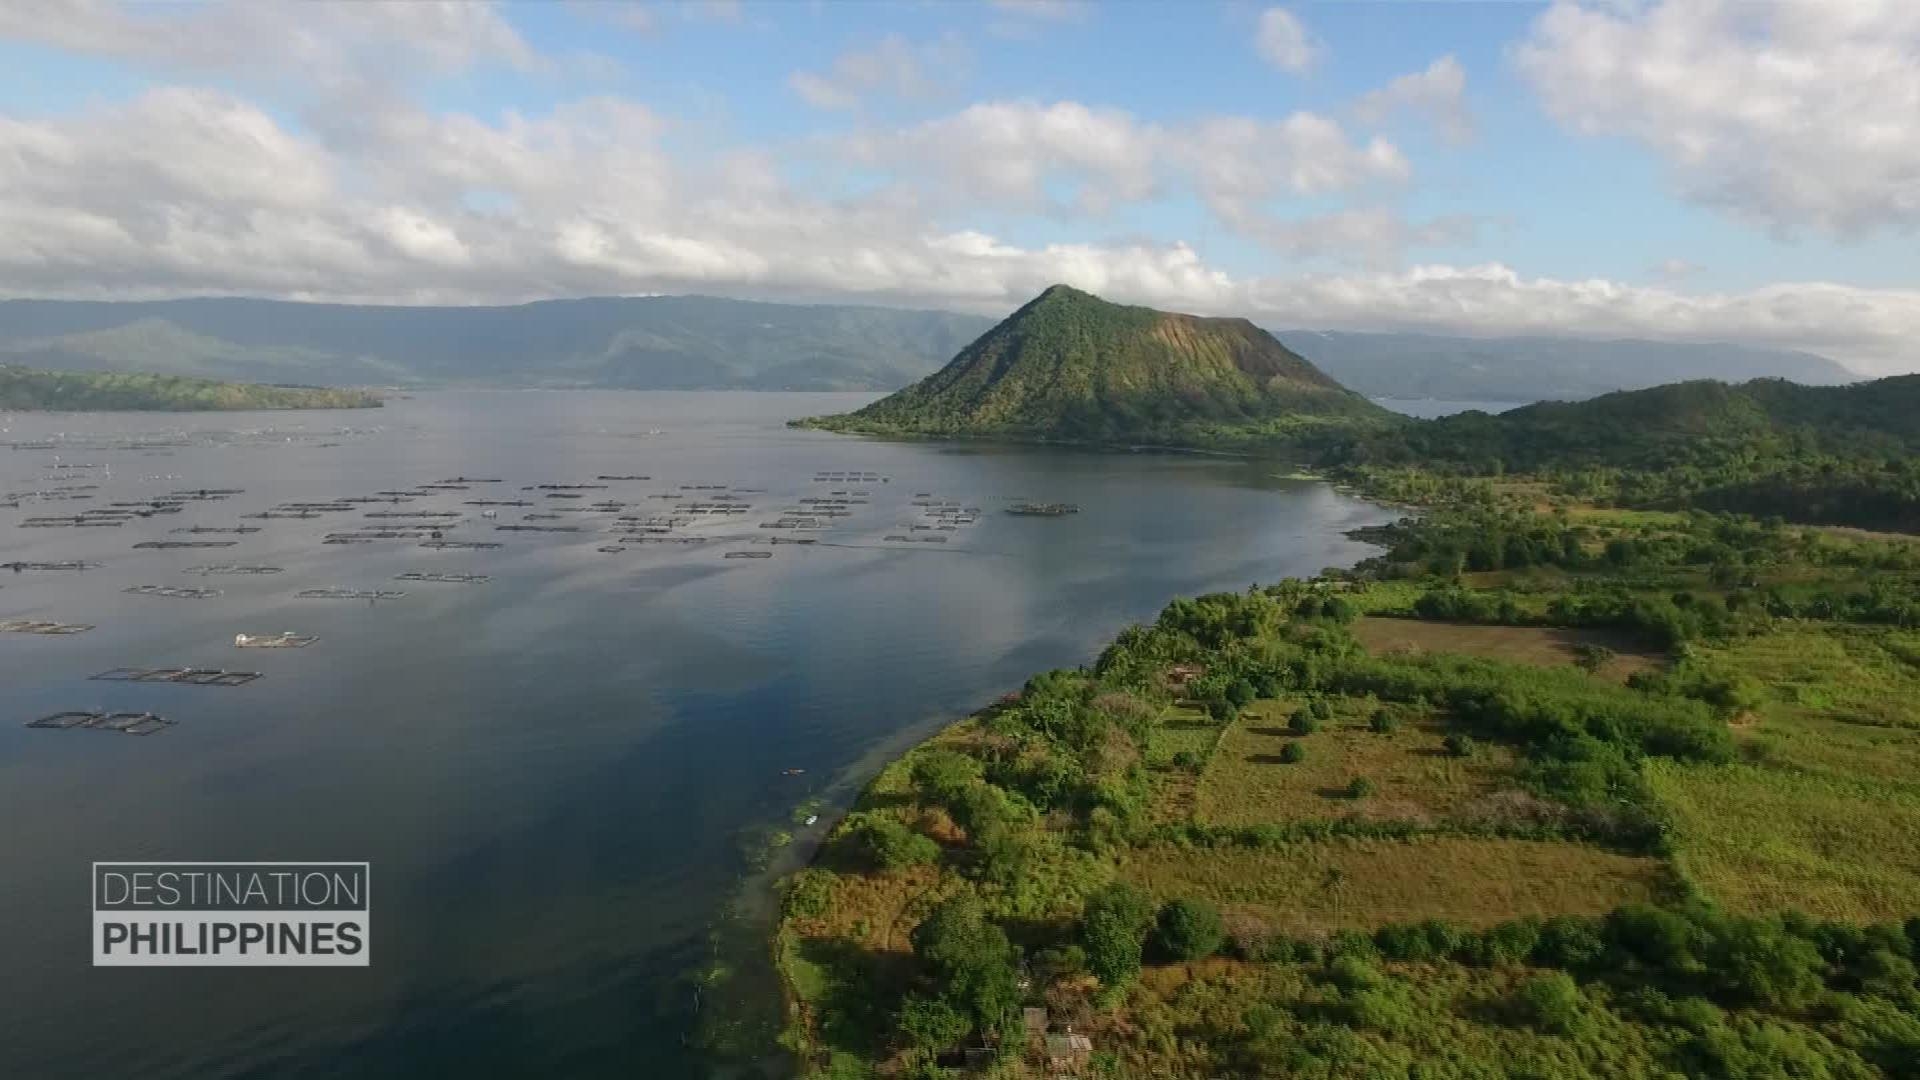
x: 33, y: 390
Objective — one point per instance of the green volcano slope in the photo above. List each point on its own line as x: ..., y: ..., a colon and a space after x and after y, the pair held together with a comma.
x: 1071, y: 367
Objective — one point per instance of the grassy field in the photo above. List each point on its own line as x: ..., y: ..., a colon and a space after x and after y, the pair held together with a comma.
x: 1337, y: 884
x: 1846, y: 674
x: 1774, y: 838
x: 1247, y: 783
x: 1540, y: 646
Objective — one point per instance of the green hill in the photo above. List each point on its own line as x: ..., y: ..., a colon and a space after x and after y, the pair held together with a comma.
x: 1843, y: 455
x: 1071, y: 367
x: 30, y: 390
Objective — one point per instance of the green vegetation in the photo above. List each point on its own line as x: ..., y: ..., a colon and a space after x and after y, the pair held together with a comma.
x: 27, y: 389
x: 1070, y: 367
x: 1837, y: 455
x: 1544, y: 790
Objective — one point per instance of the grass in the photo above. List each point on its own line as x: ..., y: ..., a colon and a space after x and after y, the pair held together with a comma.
x: 1538, y: 646
x: 1857, y: 675
x: 1349, y: 883
x: 1246, y: 783
x: 1762, y: 838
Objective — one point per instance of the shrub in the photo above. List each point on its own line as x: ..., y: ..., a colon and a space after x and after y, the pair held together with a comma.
x: 1359, y: 787
x: 1384, y: 721
x: 1592, y: 658
x: 1293, y: 753
x: 1303, y: 722
x: 1459, y: 744
x: 1551, y: 1003
x: 886, y: 844
x: 1240, y: 693
x: 1189, y: 930
x: 1114, y: 926
x: 808, y: 893
x: 932, y: 1024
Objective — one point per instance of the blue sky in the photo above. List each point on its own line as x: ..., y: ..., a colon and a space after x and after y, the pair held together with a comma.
x: 1708, y: 170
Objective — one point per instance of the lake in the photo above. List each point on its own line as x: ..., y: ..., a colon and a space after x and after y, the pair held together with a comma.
x: 548, y: 771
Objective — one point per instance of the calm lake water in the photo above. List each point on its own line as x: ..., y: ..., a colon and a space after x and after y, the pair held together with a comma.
x: 548, y: 771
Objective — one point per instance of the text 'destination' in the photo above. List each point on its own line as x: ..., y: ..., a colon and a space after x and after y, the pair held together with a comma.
x: 231, y: 914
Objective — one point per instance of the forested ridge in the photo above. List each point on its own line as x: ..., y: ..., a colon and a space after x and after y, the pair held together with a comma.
x: 28, y: 389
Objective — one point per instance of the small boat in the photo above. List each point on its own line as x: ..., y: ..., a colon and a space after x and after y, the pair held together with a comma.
x: 792, y: 772
x: 811, y: 818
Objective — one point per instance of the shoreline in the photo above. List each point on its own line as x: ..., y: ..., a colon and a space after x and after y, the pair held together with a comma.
x: 762, y: 889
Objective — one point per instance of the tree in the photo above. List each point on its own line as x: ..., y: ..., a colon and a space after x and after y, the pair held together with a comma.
x: 1293, y: 753
x: 971, y: 962
x: 932, y: 1024
x: 1189, y: 930
x: 886, y: 844
x: 1359, y: 787
x: 1114, y: 926
x: 1303, y: 722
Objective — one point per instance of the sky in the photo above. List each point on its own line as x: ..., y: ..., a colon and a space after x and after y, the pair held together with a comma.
x: 1688, y: 170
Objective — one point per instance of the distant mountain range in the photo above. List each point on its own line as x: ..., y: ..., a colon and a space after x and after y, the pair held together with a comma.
x: 695, y: 342
x: 652, y: 343
x: 1071, y: 367
x: 1522, y: 369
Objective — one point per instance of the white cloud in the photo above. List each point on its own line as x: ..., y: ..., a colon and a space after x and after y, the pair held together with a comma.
x: 279, y: 40
x: 1284, y: 42
x: 893, y: 67
x: 1028, y: 155
x: 1792, y: 113
x: 184, y: 192
x: 1438, y: 93
x: 1046, y: 10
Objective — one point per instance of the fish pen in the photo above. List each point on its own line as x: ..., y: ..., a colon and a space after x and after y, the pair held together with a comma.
x: 459, y: 545
x: 663, y: 539
x: 286, y: 639
x: 749, y: 555
x: 634, y: 477
x: 497, y: 502
x: 277, y: 515
x: 182, y: 592
x: 124, y: 723
x: 472, y: 480
x: 205, y: 494
x: 564, y: 487
x: 452, y: 579
x: 235, y: 530
x: 413, y: 514
x: 40, y: 626
x: 170, y: 545
x: 1042, y: 509
x: 231, y: 568
x: 350, y: 594
x: 69, y: 564
x: 185, y: 676
x: 537, y: 528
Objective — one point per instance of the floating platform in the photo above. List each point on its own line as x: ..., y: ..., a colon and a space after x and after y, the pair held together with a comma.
x: 169, y: 545
x: 564, y: 487
x: 1042, y: 509
x: 471, y: 480
x: 72, y: 564
x: 187, y: 676
x: 236, y: 530
x: 497, y: 502
x: 39, y: 626
x: 537, y: 528
x: 452, y: 579
x: 125, y: 723
x: 413, y: 514
x: 286, y: 639
x: 231, y: 568
x: 633, y: 477
x: 459, y: 545
x: 183, y: 592
x: 272, y: 515
x: 350, y: 594
x: 749, y: 555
